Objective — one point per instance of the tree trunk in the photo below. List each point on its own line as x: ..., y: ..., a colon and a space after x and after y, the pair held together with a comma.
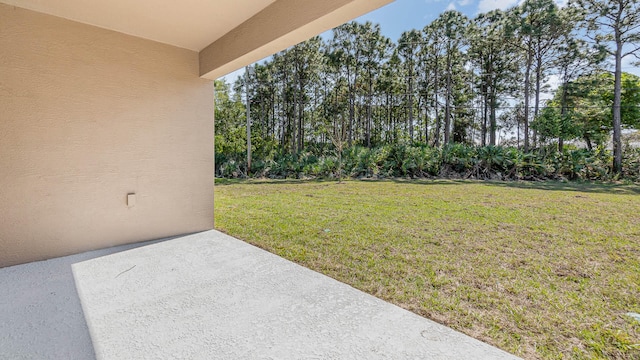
x: 426, y: 118
x: 301, y: 119
x: 563, y: 114
x: 411, y: 105
x: 351, y: 108
x: 527, y: 75
x: 369, y: 100
x: 493, y: 119
x: 491, y: 93
x: 517, y: 131
x: 537, y: 100
x: 436, y: 82
x: 617, y: 99
x: 485, y: 114
x: 589, y: 145
x: 388, y: 107
x: 447, y: 105
x: 436, y: 135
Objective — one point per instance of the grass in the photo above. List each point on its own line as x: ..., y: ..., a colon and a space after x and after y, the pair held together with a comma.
x: 542, y: 270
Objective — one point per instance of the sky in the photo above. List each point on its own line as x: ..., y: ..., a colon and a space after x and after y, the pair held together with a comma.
x: 403, y: 15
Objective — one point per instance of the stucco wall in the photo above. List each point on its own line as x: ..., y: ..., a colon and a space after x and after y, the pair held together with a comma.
x: 87, y: 116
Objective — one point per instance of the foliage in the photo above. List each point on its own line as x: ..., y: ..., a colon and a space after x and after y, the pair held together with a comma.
x: 454, y: 160
x: 583, y: 108
x: 361, y: 105
x: 613, y: 27
x: 631, y: 164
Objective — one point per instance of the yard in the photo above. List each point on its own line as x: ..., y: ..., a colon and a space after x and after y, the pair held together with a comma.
x: 542, y: 270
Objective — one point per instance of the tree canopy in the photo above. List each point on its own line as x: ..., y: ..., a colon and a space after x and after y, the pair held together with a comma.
x: 477, y: 81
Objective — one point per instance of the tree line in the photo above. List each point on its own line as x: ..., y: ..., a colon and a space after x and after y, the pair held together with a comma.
x: 476, y: 82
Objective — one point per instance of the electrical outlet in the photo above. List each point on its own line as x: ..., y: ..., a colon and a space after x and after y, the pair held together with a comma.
x: 131, y: 200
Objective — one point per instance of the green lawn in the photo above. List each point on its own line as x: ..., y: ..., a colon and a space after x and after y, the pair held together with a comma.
x: 542, y: 270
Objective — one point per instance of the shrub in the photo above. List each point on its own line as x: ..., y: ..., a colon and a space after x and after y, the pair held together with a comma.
x: 419, y: 160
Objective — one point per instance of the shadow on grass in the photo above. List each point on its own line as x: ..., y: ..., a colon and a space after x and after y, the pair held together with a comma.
x: 223, y: 182
x: 265, y: 181
x: 586, y: 187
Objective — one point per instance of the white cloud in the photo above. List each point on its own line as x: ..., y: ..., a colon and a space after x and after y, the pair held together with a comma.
x: 464, y: 2
x: 488, y: 5
x: 451, y: 6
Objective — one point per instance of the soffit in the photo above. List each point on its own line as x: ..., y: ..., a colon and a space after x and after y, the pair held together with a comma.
x: 189, y: 24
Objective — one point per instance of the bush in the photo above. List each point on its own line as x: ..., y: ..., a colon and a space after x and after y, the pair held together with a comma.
x: 458, y: 158
x: 631, y: 163
x: 419, y: 161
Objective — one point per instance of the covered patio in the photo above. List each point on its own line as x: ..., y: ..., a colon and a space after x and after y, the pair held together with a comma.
x: 106, y: 140
x: 206, y: 296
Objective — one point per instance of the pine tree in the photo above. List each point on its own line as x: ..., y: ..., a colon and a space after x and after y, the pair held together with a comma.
x: 614, y: 26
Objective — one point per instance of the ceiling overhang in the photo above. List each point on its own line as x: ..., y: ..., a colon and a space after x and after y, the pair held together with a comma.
x: 282, y: 24
x: 228, y: 34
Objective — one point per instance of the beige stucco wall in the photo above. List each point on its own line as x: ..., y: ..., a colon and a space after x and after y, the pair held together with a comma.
x: 87, y: 116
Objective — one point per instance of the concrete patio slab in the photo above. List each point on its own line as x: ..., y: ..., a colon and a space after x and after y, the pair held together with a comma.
x: 211, y: 296
x: 40, y: 313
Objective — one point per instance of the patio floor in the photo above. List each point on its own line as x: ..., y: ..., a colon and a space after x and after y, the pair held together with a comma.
x: 207, y: 296
x: 40, y: 312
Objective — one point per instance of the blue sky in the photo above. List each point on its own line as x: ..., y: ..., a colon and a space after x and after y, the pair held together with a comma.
x: 403, y: 15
